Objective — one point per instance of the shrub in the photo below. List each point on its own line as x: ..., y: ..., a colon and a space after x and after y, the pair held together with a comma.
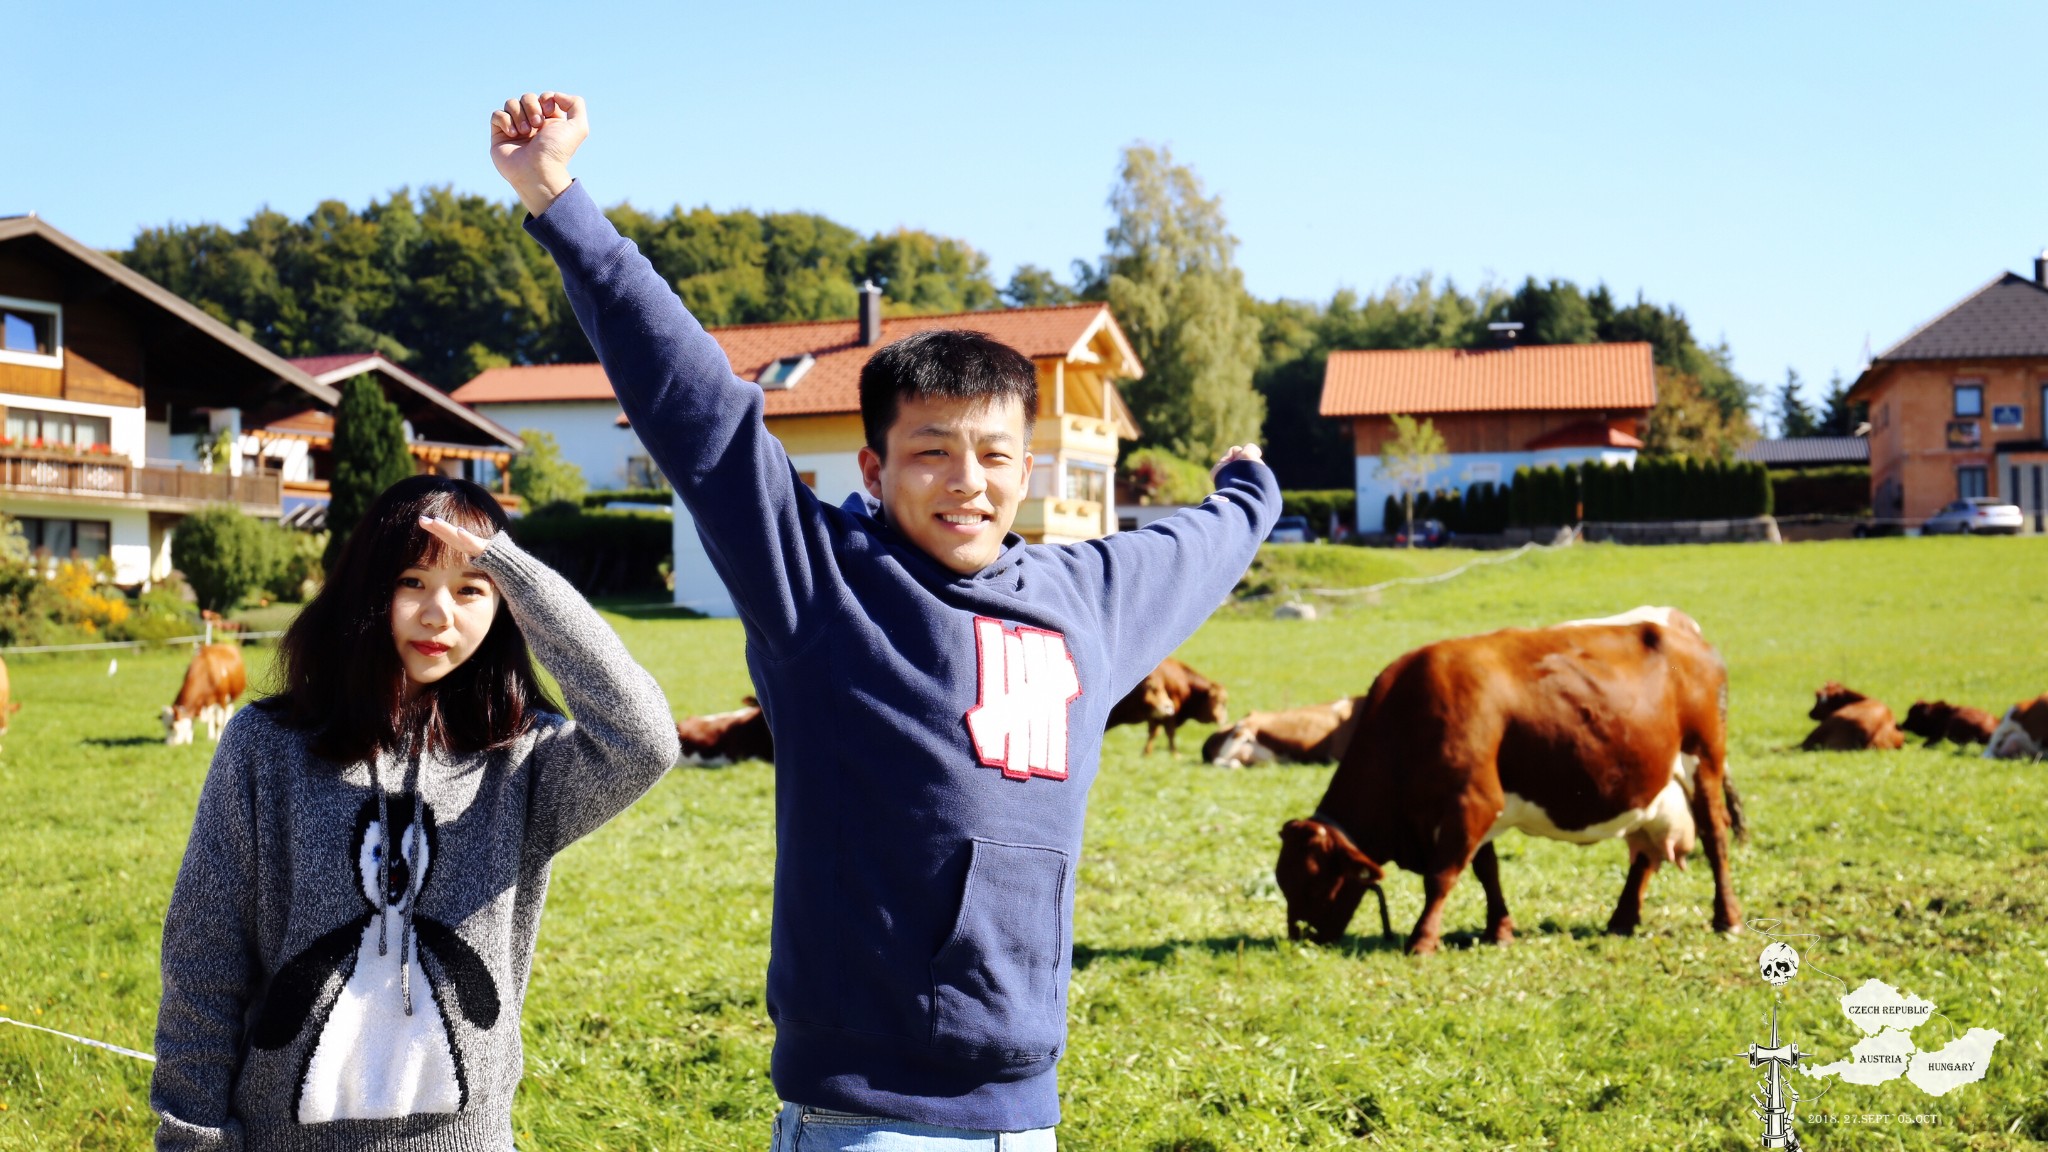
x: 1160, y: 477
x: 370, y: 455
x: 540, y: 475
x: 601, y: 553
x: 604, y: 496
x: 1843, y: 491
x: 1319, y: 504
x: 297, y: 563
x: 224, y: 555
x: 161, y: 613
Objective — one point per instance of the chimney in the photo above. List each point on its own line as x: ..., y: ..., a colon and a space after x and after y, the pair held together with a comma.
x: 2041, y: 268
x: 1504, y: 333
x: 870, y: 314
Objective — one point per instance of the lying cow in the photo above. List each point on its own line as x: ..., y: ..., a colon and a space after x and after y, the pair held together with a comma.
x: 726, y: 737
x: 1170, y: 696
x: 1939, y: 720
x: 1580, y: 734
x: 2022, y: 734
x: 1317, y: 735
x: 214, y: 680
x: 1850, y: 722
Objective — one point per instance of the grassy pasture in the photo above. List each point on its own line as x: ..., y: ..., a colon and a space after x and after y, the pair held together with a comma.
x: 1195, y: 1024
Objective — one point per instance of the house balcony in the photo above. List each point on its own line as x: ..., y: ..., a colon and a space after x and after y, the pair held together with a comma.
x: 1070, y: 435
x: 1055, y: 520
x: 116, y: 480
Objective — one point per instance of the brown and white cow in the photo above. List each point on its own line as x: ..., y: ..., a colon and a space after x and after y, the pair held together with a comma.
x: 1317, y: 735
x: 2022, y: 734
x: 1170, y: 696
x: 1939, y: 720
x: 8, y: 705
x: 214, y: 680
x: 726, y: 737
x: 1582, y: 734
x: 1850, y: 722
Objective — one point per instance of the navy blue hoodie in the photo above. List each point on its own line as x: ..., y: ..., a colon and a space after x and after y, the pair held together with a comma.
x: 935, y: 734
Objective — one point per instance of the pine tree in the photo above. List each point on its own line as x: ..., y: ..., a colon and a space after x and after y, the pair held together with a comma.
x: 1795, y: 416
x: 370, y: 455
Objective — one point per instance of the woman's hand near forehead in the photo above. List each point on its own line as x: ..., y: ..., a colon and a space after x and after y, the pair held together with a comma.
x: 466, y: 544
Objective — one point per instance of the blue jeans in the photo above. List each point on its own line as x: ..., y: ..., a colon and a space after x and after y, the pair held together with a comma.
x: 802, y: 1129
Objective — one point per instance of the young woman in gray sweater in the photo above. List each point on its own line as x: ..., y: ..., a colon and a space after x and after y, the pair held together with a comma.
x: 346, y: 952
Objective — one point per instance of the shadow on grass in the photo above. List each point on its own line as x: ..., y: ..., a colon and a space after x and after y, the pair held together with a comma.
x: 647, y: 606
x: 121, y: 741
x: 1353, y: 944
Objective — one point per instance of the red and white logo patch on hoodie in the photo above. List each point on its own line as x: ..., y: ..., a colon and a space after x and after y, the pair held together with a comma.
x: 1019, y: 721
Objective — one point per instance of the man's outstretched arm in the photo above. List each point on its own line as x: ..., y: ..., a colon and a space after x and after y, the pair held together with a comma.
x: 763, y: 530
x: 1160, y: 582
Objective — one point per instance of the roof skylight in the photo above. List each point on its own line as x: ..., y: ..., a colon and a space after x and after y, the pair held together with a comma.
x: 784, y: 373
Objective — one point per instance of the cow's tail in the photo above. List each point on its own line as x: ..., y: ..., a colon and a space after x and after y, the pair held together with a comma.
x: 1738, y: 824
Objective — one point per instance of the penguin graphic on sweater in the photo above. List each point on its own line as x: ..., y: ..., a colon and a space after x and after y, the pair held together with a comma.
x: 382, y: 1046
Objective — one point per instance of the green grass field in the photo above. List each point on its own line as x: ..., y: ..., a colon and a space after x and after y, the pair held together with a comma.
x: 1196, y: 1025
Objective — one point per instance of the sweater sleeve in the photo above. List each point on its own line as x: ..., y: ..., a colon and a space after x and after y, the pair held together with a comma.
x: 1160, y: 582
x: 210, y: 963
x: 622, y: 739
x: 762, y: 527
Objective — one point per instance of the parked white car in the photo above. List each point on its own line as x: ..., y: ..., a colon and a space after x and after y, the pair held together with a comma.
x: 1975, y: 514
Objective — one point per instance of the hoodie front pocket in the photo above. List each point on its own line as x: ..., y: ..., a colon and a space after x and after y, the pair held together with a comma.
x: 996, y: 988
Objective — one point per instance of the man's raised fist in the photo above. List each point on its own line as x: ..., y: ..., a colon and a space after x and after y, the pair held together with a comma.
x: 532, y: 139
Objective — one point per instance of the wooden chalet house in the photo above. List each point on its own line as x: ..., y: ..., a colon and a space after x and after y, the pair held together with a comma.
x: 1499, y: 409
x: 102, y: 371
x: 810, y: 373
x: 1960, y: 406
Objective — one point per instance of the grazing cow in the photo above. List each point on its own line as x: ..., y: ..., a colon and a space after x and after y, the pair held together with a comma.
x: 1850, y: 722
x: 1579, y: 734
x: 214, y: 680
x: 2023, y: 734
x: 1317, y: 735
x: 8, y: 706
x: 1170, y: 696
x: 1939, y: 720
x: 726, y: 737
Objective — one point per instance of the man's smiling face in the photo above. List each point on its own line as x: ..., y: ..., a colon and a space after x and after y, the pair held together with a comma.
x: 953, y: 476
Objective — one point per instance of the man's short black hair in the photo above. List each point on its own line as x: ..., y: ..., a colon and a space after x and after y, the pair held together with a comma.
x: 947, y: 364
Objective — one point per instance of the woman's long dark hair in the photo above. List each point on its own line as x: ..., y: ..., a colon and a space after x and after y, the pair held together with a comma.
x: 339, y: 675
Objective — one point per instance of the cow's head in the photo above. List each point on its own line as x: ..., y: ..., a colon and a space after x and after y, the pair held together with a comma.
x: 1832, y: 698
x: 1208, y: 703
x: 1232, y: 747
x: 1323, y: 875
x: 1926, y: 718
x: 177, y: 726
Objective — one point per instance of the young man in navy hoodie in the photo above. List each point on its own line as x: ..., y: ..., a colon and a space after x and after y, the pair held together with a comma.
x: 937, y: 688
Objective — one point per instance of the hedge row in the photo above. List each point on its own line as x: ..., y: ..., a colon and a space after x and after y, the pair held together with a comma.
x: 1482, y: 509
x: 1842, y: 491
x: 1652, y: 491
x: 1319, y: 504
x: 601, y: 553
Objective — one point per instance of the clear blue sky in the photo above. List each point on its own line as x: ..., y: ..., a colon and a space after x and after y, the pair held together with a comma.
x: 1797, y: 181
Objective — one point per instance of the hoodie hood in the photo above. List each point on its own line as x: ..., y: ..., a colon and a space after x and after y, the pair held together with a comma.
x: 1005, y: 572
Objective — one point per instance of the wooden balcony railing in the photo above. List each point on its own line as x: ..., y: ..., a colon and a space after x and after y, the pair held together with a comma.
x: 117, y: 478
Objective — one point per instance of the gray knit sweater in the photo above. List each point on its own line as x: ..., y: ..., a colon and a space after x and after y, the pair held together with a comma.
x: 300, y: 1010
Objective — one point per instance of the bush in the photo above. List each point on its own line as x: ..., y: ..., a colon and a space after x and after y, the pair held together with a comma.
x: 601, y: 553
x: 1843, y: 491
x: 160, y: 614
x: 224, y: 555
x: 540, y: 475
x: 604, y: 496
x: 1319, y: 504
x: 1160, y: 477
x: 297, y: 567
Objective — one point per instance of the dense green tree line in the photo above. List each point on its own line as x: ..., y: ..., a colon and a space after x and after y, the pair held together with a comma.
x: 448, y: 284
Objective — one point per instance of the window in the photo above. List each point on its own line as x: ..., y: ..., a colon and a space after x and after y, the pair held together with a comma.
x: 67, y: 539
x: 31, y: 332
x: 1087, y: 482
x: 1970, y: 398
x: 641, y: 473
x: 784, y: 373
x: 1971, y: 482
x: 31, y: 428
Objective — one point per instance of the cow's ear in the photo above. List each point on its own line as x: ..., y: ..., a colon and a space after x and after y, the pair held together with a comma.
x: 1344, y: 847
x: 1300, y: 832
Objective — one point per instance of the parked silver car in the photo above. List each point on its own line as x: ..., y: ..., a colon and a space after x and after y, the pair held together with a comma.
x: 1975, y: 514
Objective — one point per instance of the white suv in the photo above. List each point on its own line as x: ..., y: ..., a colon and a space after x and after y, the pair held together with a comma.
x: 1975, y: 514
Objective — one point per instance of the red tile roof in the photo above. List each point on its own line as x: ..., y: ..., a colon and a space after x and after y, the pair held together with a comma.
x: 1543, y: 377
x: 319, y: 365
x: 833, y: 382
